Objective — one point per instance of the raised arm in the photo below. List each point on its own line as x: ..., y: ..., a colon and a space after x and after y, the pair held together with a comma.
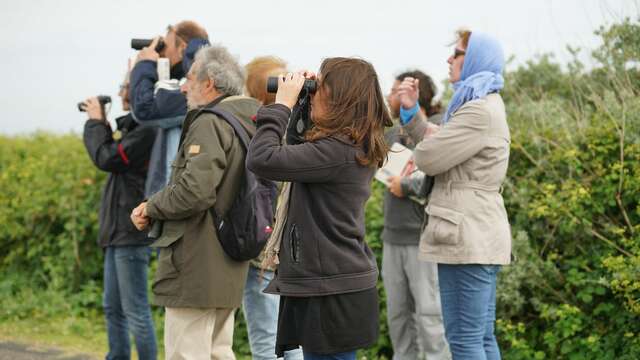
x: 307, y: 162
x: 147, y: 104
x: 116, y: 156
x: 461, y: 138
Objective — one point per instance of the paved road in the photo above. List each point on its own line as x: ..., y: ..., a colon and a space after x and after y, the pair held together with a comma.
x: 15, y: 351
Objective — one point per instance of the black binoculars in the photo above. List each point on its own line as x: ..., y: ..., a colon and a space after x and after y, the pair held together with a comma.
x: 102, y: 99
x: 139, y: 44
x: 309, y: 85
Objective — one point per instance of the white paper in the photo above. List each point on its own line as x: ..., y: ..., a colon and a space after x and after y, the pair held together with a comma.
x: 397, y: 159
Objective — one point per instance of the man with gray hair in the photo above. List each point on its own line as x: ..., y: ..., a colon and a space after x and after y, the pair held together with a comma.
x: 197, y: 283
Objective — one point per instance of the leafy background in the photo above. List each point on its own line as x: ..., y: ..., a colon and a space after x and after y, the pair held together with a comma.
x: 572, y: 195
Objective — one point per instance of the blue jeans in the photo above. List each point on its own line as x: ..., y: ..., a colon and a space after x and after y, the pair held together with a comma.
x: 125, y: 302
x: 349, y: 355
x: 261, y: 314
x: 468, y: 296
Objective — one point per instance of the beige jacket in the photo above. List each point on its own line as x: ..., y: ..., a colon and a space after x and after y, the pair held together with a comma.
x: 469, y: 157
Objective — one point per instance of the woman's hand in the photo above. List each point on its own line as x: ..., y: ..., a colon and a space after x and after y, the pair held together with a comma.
x: 408, y: 92
x: 139, y: 217
x: 289, y: 87
x: 308, y: 74
x: 431, y: 129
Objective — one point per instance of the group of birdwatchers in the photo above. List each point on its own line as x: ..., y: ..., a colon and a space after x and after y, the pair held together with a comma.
x: 179, y: 161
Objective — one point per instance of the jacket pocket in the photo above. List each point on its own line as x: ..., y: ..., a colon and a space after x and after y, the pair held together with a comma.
x: 177, y: 167
x: 179, y: 162
x: 169, y: 259
x: 294, y: 244
x: 444, y: 225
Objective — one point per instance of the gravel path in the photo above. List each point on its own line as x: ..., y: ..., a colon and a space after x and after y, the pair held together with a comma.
x: 16, y: 351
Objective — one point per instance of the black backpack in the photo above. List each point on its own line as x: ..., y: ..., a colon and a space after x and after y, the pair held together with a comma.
x: 244, y: 230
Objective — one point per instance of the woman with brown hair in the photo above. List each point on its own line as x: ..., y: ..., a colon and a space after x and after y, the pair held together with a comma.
x: 327, y: 274
x: 261, y: 309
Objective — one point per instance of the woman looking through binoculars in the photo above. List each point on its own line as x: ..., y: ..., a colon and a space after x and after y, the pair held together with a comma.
x: 326, y: 274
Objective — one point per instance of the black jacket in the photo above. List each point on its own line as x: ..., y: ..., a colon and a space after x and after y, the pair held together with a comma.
x: 323, y: 249
x: 125, y: 155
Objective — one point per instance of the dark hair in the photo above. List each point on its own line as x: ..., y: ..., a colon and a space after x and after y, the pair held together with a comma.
x: 187, y: 30
x: 354, y: 107
x: 427, y: 91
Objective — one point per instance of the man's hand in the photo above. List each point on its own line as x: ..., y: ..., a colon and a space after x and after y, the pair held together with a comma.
x: 149, y: 53
x: 94, y: 109
x: 408, y: 92
x: 289, y: 88
x: 139, y: 217
x: 393, y: 183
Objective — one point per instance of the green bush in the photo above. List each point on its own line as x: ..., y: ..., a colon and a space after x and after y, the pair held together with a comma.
x: 572, y: 194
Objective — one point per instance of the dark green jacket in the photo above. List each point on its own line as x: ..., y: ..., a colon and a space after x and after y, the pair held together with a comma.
x: 193, y: 270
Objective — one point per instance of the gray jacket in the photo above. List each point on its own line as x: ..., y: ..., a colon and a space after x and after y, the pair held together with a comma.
x: 469, y: 157
x: 404, y: 217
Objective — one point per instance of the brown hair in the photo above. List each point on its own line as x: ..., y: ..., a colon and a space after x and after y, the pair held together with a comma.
x: 464, y: 35
x: 257, y: 71
x: 427, y: 91
x: 354, y: 107
x: 187, y: 30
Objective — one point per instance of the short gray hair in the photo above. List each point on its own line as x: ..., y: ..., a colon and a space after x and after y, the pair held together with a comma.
x: 217, y: 64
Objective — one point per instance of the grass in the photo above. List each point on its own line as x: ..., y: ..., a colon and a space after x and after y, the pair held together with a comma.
x: 70, y: 335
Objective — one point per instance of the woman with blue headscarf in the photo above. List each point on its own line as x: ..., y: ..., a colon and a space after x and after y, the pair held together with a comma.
x: 468, y: 232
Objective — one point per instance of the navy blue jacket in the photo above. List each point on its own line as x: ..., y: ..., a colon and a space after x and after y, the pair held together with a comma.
x: 165, y: 103
x: 149, y: 106
x: 164, y: 109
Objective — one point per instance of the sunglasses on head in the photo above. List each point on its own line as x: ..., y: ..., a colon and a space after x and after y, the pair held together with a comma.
x: 457, y: 52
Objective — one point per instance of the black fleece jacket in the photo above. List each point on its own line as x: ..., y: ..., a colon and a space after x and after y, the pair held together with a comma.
x: 323, y: 250
x: 125, y: 157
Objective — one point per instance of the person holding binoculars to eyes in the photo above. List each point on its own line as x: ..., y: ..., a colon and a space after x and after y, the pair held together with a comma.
x: 159, y: 103
x: 327, y: 275
x: 124, y: 154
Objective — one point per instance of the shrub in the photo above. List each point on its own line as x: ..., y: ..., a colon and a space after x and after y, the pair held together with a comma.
x: 572, y: 194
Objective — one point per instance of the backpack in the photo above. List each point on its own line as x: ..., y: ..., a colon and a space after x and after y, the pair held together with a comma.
x: 244, y: 229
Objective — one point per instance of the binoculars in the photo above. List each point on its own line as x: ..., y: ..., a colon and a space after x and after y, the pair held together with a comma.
x: 138, y: 44
x: 102, y: 99
x: 309, y: 85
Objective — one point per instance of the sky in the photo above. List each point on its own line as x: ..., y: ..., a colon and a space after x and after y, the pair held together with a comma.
x: 55, y: 54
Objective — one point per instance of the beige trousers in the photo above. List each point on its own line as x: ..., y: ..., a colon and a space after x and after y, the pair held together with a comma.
x: 198, y: 334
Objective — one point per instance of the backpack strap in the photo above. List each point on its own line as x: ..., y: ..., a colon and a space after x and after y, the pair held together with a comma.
x: 242, y: 133
x: 234, y: 122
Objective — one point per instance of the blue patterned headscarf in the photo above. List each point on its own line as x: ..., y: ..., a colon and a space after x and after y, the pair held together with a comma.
x: 481, y: 72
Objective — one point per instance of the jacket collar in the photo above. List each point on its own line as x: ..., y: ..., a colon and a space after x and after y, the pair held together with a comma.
x: 192, y: 115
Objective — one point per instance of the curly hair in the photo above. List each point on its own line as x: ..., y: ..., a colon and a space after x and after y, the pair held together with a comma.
x: 217, y: 64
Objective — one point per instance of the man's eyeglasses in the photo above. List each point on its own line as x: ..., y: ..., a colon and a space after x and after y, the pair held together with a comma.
x: 457, y: 52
